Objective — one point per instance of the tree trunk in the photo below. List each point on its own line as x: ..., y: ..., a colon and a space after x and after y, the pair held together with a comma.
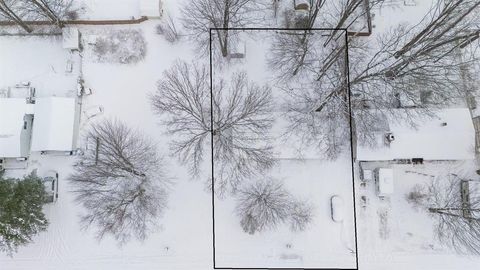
x: 11, y: 15
x: 425, y: 31
x: 226, y: 22
x: 48, y: 12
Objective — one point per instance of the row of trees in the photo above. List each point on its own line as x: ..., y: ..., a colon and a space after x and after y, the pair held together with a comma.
x: 199, y: 16
x: 21, y: 11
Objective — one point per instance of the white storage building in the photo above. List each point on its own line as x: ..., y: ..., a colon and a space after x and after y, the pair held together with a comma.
x: 53, y: 127
x: 449, y: 136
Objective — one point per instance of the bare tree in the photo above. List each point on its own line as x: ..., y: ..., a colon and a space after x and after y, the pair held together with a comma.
x: 444, y: 24
x: 168, y: 28
x: 9, y: 10
x: 21, y: 11
x: 345, y: 14
x: 201, y: 15
x: 293, y: 52
x: 291, y: 49
x: 455, y: 204
x: 120, y: 182
x: 417, y: 64
x: 241, y: 120
x: 52, y: 10
x: 314, y: 79
x: 403, y: 68
x: 406, y: 56
x: 266, y: 204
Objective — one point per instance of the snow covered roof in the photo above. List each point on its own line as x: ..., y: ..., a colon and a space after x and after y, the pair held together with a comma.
x: 71, y: 38
x: 385, y: 181
x: 53, y: 125
x: 12, y: 113
x: 150, y: 8
x: 449, y: 136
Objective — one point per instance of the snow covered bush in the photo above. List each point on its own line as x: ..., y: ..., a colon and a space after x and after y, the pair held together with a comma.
x: 21, y: 215
x: 125, y: 46
x: 267, y: 204
x: 120, y: 182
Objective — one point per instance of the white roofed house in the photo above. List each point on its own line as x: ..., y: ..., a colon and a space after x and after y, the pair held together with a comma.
x: 16, y: 116
x: 448, y: 136
x: 44, y: 126
x: 53, y: 127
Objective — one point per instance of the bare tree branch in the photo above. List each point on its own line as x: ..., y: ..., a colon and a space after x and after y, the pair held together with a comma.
x: 266, y: 204
x: 448, y: 206
x: 241, y: 115
x: 120, y: 182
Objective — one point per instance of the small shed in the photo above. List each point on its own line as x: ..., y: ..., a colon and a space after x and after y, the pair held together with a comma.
x: 384, y: 181
x: 53, y: 128
x: 71, y: 38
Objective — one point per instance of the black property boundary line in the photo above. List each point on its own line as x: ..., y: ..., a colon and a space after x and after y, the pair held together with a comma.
x: 351, y: 146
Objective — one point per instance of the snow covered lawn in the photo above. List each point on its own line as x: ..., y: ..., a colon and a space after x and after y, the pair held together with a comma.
x: 323, y: 244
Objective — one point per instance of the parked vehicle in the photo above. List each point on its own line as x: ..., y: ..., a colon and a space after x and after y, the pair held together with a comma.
x: 50, y: 182
x: 337, y: 208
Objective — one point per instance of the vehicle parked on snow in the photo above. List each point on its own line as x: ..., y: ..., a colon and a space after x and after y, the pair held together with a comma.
x: 337, y: 208
x: 50, y: 182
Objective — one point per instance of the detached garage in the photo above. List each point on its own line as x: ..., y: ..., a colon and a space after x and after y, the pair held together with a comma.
x: 53, y: 125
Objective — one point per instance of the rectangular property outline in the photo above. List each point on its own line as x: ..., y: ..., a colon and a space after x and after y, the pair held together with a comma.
x: 351, y: 145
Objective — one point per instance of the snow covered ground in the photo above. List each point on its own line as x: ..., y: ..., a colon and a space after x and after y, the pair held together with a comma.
x: 179, y: 243
x: 109, y: 9
x: 391, y: 234
x: 324, y: 243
